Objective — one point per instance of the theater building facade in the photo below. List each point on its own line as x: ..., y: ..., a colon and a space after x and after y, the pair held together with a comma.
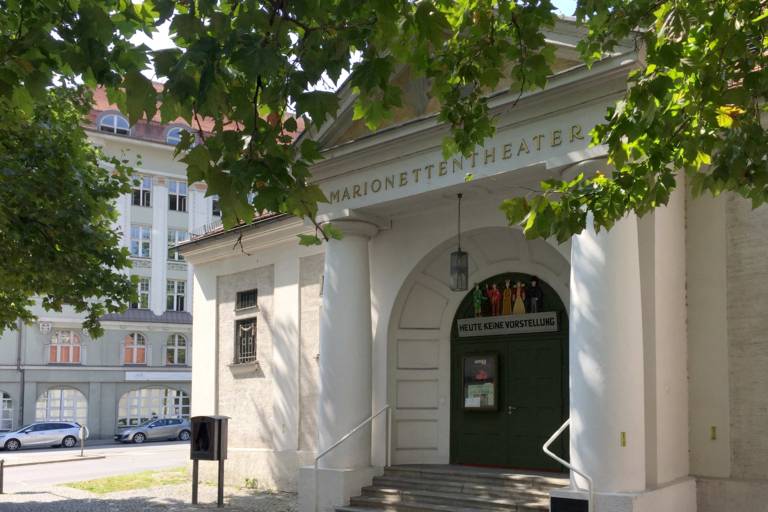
x: 651, y: 338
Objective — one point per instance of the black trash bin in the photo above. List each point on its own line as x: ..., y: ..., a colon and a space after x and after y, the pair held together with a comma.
x: 209, y: 442
x: 209, y: 438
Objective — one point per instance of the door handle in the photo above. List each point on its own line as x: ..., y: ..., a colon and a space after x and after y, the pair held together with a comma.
x: 511, y: 408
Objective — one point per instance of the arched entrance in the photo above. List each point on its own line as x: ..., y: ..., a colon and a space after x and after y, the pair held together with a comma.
x: 509, y: 373
x: 419, y: 384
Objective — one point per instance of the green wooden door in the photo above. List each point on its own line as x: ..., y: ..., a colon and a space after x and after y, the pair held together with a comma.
x: 530, y: 399
x: 529, y: 406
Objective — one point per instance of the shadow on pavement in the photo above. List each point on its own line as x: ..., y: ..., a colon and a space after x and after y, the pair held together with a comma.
x: 51, y: 502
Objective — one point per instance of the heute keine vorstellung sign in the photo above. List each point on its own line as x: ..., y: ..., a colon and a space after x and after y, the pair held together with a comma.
x: 509, y: 324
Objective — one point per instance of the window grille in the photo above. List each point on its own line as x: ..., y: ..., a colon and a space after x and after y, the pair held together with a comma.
x: 245, y: 341
x: 246, y: 299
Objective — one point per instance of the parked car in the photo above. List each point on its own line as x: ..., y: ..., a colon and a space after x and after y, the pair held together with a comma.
x: 165, y: 428
x: 43, y: 433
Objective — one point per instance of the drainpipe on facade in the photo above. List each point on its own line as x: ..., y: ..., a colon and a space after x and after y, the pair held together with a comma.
x: 19, y: 327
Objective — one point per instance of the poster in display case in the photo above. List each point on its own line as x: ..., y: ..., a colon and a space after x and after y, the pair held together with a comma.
x: 481, y: 382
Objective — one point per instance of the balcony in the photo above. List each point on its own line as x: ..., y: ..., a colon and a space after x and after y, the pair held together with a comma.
x: 64, y: 354
x: 135, y: 355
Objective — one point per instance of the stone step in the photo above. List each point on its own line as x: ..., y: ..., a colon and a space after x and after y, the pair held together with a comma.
x: 478, y: 475
x: 370, y: 503
x: 433, y: 497
x: 511, y: 490
x: 456, y: 489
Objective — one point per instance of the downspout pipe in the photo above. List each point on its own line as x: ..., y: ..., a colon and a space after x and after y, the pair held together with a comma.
x: 20, y: 369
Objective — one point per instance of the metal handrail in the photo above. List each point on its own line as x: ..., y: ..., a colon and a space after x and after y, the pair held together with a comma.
x: 591, y: 505
x: 347, y: 436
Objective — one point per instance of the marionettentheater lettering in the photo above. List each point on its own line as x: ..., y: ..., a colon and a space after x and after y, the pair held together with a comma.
x: 484, y: 156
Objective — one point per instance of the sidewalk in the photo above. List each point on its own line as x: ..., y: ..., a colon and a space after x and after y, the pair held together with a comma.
x: 175, y: 498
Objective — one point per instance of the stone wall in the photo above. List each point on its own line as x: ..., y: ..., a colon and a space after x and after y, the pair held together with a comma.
x: 246, y: 391
x: 747, y: 307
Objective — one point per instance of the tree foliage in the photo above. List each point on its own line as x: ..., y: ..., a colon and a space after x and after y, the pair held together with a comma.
x: 692, y: 106
x: 694, y: 109
x: 57, y: 215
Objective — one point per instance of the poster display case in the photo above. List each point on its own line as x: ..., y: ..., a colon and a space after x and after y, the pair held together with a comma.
x: 481, y: 382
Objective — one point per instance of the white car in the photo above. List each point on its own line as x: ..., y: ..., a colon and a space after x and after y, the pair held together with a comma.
x: 43, y: 433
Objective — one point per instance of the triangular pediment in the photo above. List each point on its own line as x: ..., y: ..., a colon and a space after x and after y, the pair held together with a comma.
x: 417, y: 100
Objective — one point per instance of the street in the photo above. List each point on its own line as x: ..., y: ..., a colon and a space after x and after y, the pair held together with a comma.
x: 119, y: 459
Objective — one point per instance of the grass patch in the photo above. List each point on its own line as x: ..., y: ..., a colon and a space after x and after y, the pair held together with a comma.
x: 142, y: 480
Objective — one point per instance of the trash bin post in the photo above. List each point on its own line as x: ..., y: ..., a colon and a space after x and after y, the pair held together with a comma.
x: 194, y: 481
x: 82, y: 440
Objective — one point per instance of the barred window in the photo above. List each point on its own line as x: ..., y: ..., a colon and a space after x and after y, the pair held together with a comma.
x: 246, y: 299
x: 215, y: 206
x: 245, y: 341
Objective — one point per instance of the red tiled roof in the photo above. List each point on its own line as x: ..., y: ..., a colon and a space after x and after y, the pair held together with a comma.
x: 154, y: 130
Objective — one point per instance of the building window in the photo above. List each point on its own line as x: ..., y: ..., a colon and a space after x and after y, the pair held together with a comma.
x: 141, y: 241
x: 142, y: 291
x: 246, y: 299
x: 177, y: 196
x: 175, y: 295
x: 142, y: 191
x: 6, y: 412
x: 136, y: 407
x: 176, y: 350
x: 175, y: 236
x: 114, y: 123
x: 215, y: 206
x: 173, y: 136
x: 65, y: 347
x: 62, y: 405
x: 135, y: 349
x: 245, y: 341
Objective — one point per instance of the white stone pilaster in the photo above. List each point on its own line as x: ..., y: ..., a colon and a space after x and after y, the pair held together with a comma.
x: 198, y: 216
x: 159, y: 244
x: 606, y: 358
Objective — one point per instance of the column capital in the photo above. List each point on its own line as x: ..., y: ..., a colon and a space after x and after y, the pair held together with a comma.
x: 355, y: 227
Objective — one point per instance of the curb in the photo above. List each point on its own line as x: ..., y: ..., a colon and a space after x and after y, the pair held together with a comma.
x: 54, y: 461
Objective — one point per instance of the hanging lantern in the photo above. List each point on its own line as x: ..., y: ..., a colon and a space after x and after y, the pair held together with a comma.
x: 459, y: 263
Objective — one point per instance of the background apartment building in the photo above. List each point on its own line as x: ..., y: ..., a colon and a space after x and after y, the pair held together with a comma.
x: 141, y: 367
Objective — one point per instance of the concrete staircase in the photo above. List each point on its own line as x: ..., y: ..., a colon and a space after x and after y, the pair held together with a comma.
x: 414, y: 488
